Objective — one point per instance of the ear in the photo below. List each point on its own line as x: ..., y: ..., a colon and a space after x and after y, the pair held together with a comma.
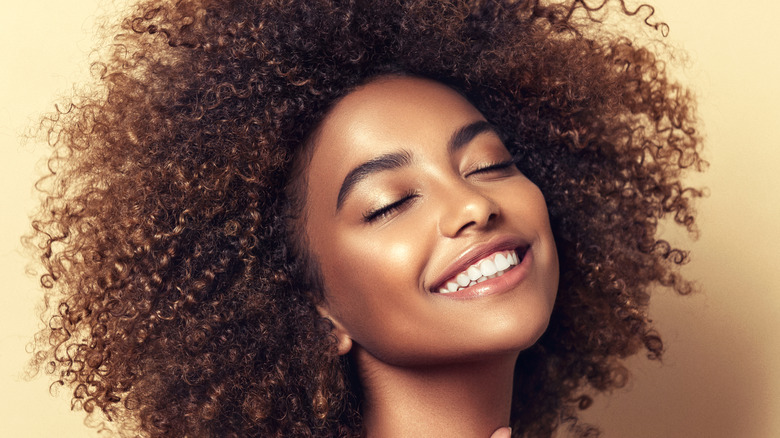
x: 342, y: 336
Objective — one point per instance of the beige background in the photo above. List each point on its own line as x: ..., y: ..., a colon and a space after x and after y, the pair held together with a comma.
x: 720, y: 375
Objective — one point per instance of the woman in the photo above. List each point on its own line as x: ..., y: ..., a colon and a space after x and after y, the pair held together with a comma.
x: 263, y: 219
x: 438, y: 264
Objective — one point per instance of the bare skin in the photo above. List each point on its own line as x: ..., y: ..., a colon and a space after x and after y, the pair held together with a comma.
x: 408, y: 188
x: 504, y: 432
x: 424, y: 401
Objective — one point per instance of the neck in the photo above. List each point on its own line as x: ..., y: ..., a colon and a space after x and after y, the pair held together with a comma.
x: 470, y: 399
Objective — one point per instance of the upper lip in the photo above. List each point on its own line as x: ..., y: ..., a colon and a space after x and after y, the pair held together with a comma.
x: 475, y: 253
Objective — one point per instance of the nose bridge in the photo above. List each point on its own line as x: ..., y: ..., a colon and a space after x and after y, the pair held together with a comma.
x: 464, y: 207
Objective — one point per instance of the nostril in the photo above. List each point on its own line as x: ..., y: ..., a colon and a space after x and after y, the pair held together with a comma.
x: 466, y: 226
x: 466, y: 210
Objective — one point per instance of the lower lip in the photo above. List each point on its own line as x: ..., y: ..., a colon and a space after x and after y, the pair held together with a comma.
x: 498, y: 285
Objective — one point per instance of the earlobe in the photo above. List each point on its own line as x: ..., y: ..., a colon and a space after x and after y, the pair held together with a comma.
x: 342, y: 337
x: 345, y: 343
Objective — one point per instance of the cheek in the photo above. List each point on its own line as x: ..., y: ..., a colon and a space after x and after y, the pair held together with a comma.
x: 399, y: 258
x: 527, y: 202
x: 371, y: 280
x: 378, y: 259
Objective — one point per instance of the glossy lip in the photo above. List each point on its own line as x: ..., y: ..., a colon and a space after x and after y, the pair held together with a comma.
x: 511, y: 278
x: 476, y: 253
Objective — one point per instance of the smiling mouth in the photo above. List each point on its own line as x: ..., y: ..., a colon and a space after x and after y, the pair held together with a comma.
x: 492, y: 266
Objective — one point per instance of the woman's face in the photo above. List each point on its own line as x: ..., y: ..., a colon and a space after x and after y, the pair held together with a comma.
x: 412, y: 195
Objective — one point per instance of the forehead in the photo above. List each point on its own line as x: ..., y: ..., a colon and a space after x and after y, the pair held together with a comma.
x: 389, y: 114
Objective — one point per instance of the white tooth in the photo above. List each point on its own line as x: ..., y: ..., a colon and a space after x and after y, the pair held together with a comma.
x: 514, y: 260
x: 501, y: 262
x: 500, y: 273
x: 472, y: 283
x: 452, y: 286
x: 473, y: 273
x: 488, y: 268
x: 443, y: 290
x: 481, y: 279
x: 492, y: 276
x: 462, y: 279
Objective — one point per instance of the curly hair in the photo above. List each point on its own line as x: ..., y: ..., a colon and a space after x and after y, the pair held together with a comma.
x: 177, y: 303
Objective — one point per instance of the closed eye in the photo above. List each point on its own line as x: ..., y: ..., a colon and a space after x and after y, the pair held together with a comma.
x: 500, y: 167
x: 372, y: 215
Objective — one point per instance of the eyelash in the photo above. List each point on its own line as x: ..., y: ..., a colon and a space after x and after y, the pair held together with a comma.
x: 372, y: 215
x: 381, y: 212
x: 493, y: 167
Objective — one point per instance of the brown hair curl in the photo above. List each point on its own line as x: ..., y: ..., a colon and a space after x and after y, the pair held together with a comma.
x: 176, y: 300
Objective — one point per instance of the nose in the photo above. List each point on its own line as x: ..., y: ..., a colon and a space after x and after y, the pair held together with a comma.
x: 466, y: 209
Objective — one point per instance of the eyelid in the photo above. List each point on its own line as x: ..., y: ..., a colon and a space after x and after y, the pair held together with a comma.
x: 377, y: 213
x: 492, y: 166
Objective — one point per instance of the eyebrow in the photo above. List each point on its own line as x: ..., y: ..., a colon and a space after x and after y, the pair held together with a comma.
x: 464, y: 135
x: 395, y: 160
x: 389, y: 161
